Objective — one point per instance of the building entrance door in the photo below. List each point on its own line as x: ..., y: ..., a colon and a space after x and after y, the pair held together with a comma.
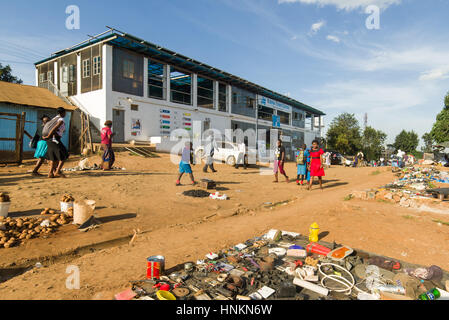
x: 118, y: 125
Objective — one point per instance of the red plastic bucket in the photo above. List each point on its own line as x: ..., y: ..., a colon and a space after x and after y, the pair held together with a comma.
x: 318, y: 249
x: 155, y: 267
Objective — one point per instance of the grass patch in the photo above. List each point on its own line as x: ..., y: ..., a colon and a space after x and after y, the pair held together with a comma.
x: 442, y: 222
x: 407, y: 217
x: 375, y: 173
x: 348, y: 197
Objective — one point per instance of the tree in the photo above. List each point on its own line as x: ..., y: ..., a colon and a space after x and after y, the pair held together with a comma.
x: 406, y: 141
x: 440, y: 129
x: 428, y: 142
x: 343, y: 134
x: 373, y: 142
x: 6, y: 75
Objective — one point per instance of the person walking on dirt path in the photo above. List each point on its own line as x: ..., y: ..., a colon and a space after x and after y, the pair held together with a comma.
x: 279, y: 161
x: 316, y: 164
x: 41, y: 148
x: 209, y: 151
x: 301, y: 163
x: 108, y: 157
x: 56, y: 151
x: 184, y: 165
x: 242, y: 155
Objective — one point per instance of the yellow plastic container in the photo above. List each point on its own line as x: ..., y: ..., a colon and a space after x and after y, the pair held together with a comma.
x: 313, y: 232
x: 165, y: 295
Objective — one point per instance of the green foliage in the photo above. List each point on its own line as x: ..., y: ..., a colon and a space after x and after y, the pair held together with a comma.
x: 372, y: 143
x: 6, y: 75
x: 407, y: 141
x: 440, y: 129
x: 343, y: 134
x: 428, y: 142
x: 418, y: 154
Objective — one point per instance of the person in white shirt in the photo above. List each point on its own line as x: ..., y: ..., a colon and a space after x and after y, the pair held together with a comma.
x: 184, y: 165
x: 209, y: 150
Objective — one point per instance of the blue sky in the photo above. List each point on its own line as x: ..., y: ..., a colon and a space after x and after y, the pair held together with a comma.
x: 317, y: 51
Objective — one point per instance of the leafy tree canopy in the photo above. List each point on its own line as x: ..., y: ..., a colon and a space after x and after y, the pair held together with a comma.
x: 406, y: 141
x: 343, y: 134
x: 373, y: 143
x: 6, y: 75
x: 440, y: 129
x: 428, y: 142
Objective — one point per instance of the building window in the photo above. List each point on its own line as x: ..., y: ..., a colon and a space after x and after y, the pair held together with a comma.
x: 50, y: 76
x: 265, y: 113
x: 309, y: 123
x: 155, y: 80
x: 128, y: 69
x: 222, y: 98
x: 205, y: 92
x: 86, y: 68
x: 42, y: 77
x: 234, y: 98
x: 180, y: 86
x: 250, y: 102
x: 298, y: 116
x: 96, y: 65
x: 72, y: 73
x: 134, y: 107
x: 284, y: 117
x: 65, y: 74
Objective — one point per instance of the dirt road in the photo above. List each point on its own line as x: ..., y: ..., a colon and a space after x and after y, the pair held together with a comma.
x: 144, y: 197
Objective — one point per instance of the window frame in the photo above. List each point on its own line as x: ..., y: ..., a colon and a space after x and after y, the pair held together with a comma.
x: 126, y: 70
x: 96, y: 65
x: 50, y: 76
x: 162, y: 80
x: 225, y: 97
x: 85, y: 65
x: 190, y: 94
x: 207, y: 89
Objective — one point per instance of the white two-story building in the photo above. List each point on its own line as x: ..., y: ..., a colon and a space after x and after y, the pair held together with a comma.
x: 149, y: 91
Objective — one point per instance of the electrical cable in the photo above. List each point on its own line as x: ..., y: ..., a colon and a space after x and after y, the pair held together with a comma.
x: 348, y: 285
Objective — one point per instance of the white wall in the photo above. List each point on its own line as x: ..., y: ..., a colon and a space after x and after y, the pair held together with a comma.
x: 101, y: 103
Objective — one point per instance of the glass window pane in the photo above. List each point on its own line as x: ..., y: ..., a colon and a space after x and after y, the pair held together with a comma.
x: 155, y: 79
x: 180, y: 86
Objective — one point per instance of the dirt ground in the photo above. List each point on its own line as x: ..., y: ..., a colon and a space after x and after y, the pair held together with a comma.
x: 144, y: 197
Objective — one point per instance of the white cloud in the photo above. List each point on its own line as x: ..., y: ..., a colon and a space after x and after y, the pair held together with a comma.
x: 347, y: 4
x: 435, y: 74
x: 333, y: 38
x: 317, y: 26
x: 391, y: 105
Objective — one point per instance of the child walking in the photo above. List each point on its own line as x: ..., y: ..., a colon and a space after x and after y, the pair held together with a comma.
x: 301, y: 162
x: 316, y: 164
x: 184, y: 165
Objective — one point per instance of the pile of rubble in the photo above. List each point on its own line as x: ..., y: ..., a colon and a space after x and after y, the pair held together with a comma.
x: 285, y: 265
x: 415, y: 186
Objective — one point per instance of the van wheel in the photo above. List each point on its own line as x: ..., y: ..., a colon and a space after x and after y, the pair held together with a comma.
x: 230, y: 161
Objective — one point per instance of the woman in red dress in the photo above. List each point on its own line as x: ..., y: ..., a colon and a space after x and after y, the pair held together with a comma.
x: 316, y: 164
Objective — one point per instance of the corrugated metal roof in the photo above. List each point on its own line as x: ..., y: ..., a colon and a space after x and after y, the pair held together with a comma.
x: 30, y: 96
